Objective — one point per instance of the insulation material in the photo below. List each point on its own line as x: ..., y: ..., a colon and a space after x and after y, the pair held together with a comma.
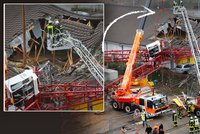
x: 163, y: 28
x: 191, y: 60
x: 182, y: 60
x: 83, y: 106
x: 37, y: 29
x: 178, y: 102
x: 98, y: 105
x: 19, y: 41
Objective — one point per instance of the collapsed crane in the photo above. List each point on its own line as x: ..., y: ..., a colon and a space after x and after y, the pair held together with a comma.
x: 23, y: 89
x: 142, y: 98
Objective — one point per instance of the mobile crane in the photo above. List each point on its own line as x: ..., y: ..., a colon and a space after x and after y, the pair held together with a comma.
x: 142, y: 98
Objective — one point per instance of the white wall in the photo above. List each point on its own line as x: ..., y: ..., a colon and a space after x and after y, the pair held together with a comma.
x: 116, y: 46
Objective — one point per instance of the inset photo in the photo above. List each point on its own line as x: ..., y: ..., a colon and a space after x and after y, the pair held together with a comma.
x: 53, y: 59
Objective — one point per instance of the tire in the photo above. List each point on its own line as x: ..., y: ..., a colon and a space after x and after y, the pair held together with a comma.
x: 115, y: 105
x: 137, y: 110
x: 185, y: 72
x: 197, y: 112
x: 128, y: 108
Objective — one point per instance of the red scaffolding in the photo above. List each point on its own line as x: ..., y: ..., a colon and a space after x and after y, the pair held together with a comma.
x: 149, y: 64
x: 143, y: 55
x: 66, y: 96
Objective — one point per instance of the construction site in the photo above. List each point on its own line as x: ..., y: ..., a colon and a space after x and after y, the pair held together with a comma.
x: 145, y: 63
x: 129, y: 65
x: 53, y: 57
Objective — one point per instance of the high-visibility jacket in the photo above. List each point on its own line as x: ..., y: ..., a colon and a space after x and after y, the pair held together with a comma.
x: 58, y: 29
x: 143, y: 117
x: 179, y: 110
x: 181, y: 3
x: 174, y: 3
x: 189, y: 108
x: 192, y: 108
x: 196, y: 122
x: 191, y: 123
x: 174, y: 117
x: 50, y: 29
x: 61, y: 27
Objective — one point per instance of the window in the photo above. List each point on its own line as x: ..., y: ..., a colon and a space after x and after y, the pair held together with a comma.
x: 141, y: 101
x: 26, y: 81
x: 187, y: 66
x: 149, y: 104
x: 16, y: 86
x: 178, y: 66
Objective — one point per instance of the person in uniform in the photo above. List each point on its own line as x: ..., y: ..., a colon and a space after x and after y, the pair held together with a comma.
x: 191, y: 125
x: 174, y: 3
x: 181, y: 3
x: 156, y: 129
x: 148, y: 130
x: 196, y: 126
x: 144, y: 118
x: 180, y: 114
x: 174, y: 118
x: 189, y: 105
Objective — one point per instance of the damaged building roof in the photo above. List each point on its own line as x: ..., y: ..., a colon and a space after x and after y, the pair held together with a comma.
x: 13, y: 22
x: 89, y: 35
x: 125, y: 29
x: 13, y: 18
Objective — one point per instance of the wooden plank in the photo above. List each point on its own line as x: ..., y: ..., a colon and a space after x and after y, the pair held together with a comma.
x: 43, y: 39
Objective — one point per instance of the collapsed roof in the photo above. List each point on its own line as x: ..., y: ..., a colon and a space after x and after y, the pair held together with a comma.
x: 13, y: 22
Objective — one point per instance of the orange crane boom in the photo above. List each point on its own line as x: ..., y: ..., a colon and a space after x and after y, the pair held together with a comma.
x: 127, y: 79
x: 124, y: 98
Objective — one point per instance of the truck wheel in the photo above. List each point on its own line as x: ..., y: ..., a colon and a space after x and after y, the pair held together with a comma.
x: 137, y: 110
x: 128, y: 108
x: 185, y: 72
x: 197, y: 112
x: 115, y: 105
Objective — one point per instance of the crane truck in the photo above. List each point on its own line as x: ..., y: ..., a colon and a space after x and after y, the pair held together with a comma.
x: 140, y: 98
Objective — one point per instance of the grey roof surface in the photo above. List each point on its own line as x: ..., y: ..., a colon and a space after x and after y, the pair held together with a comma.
x: 13, y: 23
x: 13, y: 16
x: 124, y: 30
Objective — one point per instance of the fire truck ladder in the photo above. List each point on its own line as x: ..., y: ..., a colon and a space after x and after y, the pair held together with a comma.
x: 66, y: 41
x: 191, y: 38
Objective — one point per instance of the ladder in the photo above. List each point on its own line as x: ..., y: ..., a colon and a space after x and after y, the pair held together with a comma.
x: 66, y: 42
x: 191, y: 38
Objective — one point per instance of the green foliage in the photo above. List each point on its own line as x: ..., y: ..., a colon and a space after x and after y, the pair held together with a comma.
x: 120, y: 67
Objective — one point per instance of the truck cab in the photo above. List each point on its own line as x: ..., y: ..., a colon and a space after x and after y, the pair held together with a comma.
x: 21, y: 88
x: 154, y: 105
x: 142, y: 98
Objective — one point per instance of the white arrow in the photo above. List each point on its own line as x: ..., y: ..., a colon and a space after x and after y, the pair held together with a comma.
x: 150, y: 12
